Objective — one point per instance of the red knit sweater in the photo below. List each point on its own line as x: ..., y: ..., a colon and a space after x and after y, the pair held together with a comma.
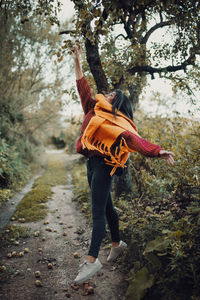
x: 133, y: 141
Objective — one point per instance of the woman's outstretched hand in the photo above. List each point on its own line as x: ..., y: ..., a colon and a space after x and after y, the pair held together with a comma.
x: 76, y: 49
x: 168, y: 156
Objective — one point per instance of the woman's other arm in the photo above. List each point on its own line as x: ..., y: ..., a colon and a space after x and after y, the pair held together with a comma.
x: 146, y: 148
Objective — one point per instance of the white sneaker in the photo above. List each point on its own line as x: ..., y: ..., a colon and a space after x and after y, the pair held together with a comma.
x: 87, y: 270
x: 116, y: 251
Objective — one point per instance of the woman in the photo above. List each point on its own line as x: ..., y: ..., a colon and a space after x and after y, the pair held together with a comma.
x: 108, y: 135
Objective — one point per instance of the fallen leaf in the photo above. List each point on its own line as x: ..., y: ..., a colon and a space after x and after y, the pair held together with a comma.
x: 75, y: 287
x: 68, y: 295
x: 37, y: 274
x: 50, y: 266
x: 38, y: 283
x: 76, y: 255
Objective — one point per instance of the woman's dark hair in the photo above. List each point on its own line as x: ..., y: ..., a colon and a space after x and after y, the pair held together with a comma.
x: 123, y: 104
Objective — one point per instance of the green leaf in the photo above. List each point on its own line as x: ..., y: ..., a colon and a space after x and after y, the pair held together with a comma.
x: 193, y: 210
x: 142, y: 281
x: 160, y: 244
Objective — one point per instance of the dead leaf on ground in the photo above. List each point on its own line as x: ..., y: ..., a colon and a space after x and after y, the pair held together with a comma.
x: 75, y: 287
x: 87, y: 289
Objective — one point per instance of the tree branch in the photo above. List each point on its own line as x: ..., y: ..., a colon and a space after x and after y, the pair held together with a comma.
x: 42, y: 123
x: 67, y: 32
x: 121, y: 34
x: 152, y: 70
x: 161, y: 16
x: 92, y: 53
x: 127, y: 27
x: 39, y: 89
x: 154, y: 28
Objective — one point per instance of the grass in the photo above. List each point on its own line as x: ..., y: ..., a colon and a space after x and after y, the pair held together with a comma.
x: 12, y: 234
x: 5, y: 195
x: 55, y: 174
x: 81, y: 188
x: 33, y: 206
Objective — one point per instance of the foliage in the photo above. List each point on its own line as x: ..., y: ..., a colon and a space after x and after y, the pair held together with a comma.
x: 81, y: 188
x: 120, y: 45
x: 181, y: 136
x: 141, y: 282
x: 162, y: 202
x: 72, y: 134
x: 13, y: 170
x: 12, y: 234
x: 4, y: 195
x: 47, y: 9
x: 123, y: 50
x: 27, y: 101
x: 160, y: 219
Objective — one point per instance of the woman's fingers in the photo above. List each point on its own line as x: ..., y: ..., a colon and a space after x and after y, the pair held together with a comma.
x: 168, y: 156
x: 170, y: 160
x: 171, y: 153
x: 76, y: 47
x: 76, y: 51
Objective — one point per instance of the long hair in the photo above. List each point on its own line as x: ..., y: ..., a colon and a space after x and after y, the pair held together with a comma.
x: 123, y: 104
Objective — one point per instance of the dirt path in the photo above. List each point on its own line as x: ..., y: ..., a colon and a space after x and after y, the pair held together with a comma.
x: 67, y: 232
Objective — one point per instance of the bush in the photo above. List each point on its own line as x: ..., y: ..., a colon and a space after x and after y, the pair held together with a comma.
x: 154, y: 179
x: 163, y: 232
x: 27, y: 151
x: 71, y: 135
x: 13, y: 170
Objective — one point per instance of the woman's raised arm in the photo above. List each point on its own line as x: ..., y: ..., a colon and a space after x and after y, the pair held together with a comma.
x: 76, y: 55
x: 83, y: 87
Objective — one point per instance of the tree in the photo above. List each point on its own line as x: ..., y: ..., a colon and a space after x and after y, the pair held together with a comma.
x: 29, y: 101
x: 120, y: 53
x: 96, y: 23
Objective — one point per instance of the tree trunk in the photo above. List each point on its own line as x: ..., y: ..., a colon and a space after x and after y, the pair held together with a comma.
x: 94, y: 61
x: 123, y: 184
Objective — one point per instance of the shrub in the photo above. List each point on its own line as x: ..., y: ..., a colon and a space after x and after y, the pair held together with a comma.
x: 162, y: 230
x: 13, y: 170
x: 71, y: 135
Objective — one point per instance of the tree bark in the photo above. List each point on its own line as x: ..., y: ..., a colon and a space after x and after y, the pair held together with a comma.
x: 94, y: 61
x: 123, y: 184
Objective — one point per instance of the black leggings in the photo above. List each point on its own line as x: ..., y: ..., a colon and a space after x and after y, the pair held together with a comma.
x: 100, y: 181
